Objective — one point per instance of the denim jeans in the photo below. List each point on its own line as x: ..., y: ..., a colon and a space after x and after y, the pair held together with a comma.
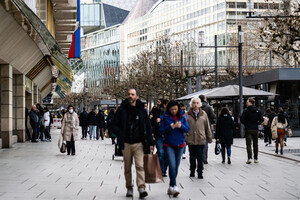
x: 228, y: 148
x: 196, y: 153
x: 173, y: 156
x: 161, y: 155
x: 35, y: 130
x: 93, y: 130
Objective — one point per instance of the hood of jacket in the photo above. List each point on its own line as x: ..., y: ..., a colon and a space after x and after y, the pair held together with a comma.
x: 252, y: 108
x: 226, y: 117
x: 125, y: 103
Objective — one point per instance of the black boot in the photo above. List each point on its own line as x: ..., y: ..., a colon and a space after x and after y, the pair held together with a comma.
x: 229, y: 161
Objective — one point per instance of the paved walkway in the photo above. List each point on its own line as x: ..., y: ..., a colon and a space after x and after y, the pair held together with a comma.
x: 39, y: 171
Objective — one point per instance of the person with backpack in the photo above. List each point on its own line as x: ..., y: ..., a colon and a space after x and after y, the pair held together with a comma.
x: 251, y: 118
x: 268, y: 118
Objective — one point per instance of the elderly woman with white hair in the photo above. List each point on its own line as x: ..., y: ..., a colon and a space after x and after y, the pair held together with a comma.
x: 198, y: 134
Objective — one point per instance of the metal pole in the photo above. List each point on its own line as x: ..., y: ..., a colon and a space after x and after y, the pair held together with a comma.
x: 270, y: 59
x: 240, y: 79
x: 198, y: 84
x: 216, y: 61
x: 189, y: 86
x: 181, y: 61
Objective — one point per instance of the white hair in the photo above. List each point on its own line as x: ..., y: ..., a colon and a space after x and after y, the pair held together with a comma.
x: 194, y: 99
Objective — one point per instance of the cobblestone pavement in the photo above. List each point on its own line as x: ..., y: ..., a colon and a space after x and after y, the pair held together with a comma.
x: 39, y: 171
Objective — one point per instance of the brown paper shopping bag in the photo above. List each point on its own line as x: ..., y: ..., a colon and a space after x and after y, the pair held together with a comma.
x: 152, y: 169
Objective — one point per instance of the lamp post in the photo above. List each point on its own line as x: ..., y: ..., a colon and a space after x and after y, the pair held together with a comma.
x: 240, y: 45
x: 241, y: 41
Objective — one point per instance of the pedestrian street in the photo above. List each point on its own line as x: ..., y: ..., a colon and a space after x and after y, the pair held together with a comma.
x: 40, y: 171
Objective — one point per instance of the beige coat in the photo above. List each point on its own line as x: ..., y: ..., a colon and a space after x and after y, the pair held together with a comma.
x: 199, y: 128
x: 275, y: 125
x: 70, y: 126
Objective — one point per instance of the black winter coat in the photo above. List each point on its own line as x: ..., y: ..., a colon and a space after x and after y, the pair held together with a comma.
x: 83, y: 121
x: 157, y: 113
x: 225, y: 129
x: 251, y: 118
x: 92, y: 119
x: 120, y: 121
x: 100, y: 120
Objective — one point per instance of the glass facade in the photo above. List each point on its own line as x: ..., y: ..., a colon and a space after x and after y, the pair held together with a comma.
x: 101, y: 57
x: 183, y: 20
x: 91, y: 15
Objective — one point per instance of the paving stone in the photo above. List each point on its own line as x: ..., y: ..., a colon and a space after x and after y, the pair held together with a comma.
x: 40, y: 171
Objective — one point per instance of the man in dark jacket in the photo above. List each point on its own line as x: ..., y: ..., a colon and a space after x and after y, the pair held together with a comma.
x: 133, y: 128
x: 34, y: 122
x: 100, y: 124
x: 92, y: 121
x: 251, y: 118
x: 211, y: 116
x: 83, y: 122
x: 156, y: 113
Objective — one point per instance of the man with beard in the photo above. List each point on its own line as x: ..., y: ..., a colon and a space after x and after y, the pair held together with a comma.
x: 132, y: 126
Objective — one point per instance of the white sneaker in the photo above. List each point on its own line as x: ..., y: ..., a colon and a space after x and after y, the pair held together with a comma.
x: 256, y: 161
x: 170, y: 190
x: 249, y: 161
x: 175, y: 191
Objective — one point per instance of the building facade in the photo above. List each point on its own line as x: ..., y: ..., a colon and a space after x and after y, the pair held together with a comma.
x: 100, y: 42
x: 101, y: 57
x: 183, y: 20
x: 33, y: 47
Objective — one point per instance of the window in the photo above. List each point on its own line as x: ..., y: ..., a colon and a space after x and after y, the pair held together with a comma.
x: 241, y: 5
x: 230, y: 4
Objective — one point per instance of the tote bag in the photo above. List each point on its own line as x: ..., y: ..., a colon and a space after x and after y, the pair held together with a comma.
x: 152, y: 169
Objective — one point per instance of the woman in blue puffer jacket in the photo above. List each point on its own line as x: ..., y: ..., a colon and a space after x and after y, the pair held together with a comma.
x: 173, y: 125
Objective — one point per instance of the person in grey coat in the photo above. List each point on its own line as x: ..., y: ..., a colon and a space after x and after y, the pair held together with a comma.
x: 211, y: 116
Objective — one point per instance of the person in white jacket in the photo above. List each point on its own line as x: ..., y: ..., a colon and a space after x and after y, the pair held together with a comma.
x: 46, y: 123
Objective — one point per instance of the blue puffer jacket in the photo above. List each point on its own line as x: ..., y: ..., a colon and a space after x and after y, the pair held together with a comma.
x: 174, y: 137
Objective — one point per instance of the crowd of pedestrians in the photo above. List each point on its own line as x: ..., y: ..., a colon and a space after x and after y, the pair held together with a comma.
x: 169, y: 128
x: 40, y: 120
x: 173, y: 129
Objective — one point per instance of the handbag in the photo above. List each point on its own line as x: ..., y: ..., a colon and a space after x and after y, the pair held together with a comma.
x: 106, y: 133
x: 289, y: 132
x: 62, y: 145
x: 152, y: 169
x: 274, y: 132
x: 218, y: 148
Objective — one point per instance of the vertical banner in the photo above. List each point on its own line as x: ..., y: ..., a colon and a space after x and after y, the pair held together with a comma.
x: 74, y: 51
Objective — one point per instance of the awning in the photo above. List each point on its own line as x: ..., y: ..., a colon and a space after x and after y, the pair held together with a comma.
x: 56, y: 55
x: 228, y: 92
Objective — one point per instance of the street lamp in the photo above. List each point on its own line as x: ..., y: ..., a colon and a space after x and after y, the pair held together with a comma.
x: 241, y: 41
x: 240, y: 44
